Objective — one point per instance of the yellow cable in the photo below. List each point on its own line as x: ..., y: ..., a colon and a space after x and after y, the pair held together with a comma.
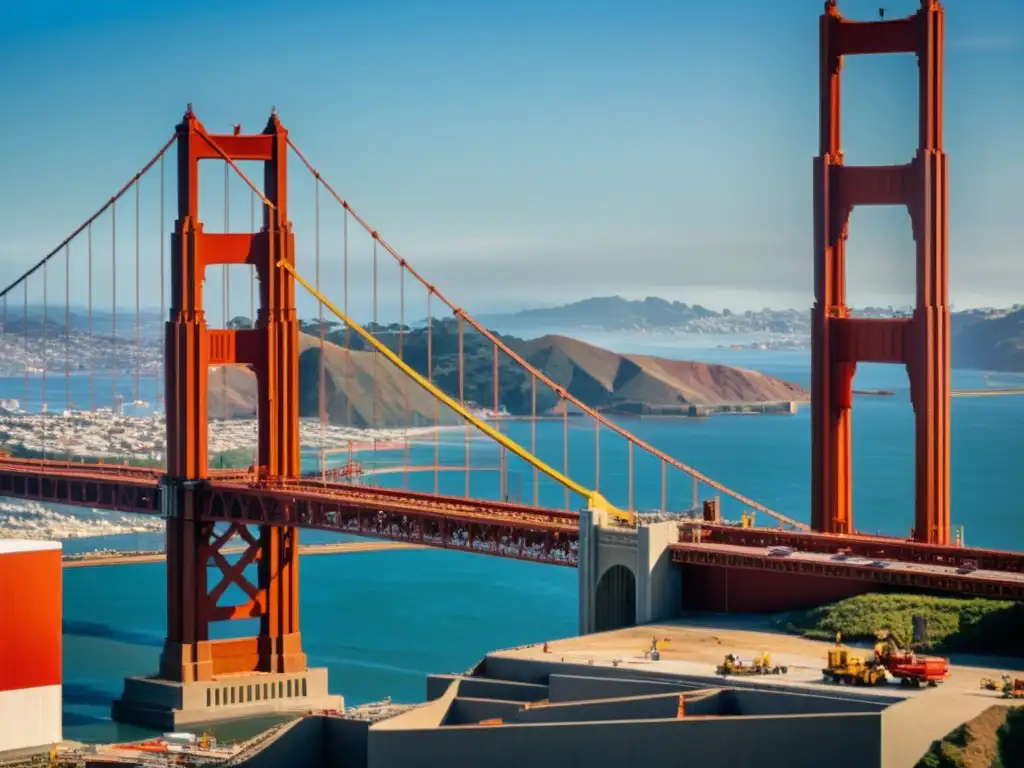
x: 594, y: 499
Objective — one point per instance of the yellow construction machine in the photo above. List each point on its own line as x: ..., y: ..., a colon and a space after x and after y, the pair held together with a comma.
x: 761, y: 665
x: 844, y: 666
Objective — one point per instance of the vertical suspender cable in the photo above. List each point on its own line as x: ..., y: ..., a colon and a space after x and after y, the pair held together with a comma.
x: 163, y: 309
x: 696, y: 492
x: 597, y: 455
x: 405, y: 379
x: 376, y: 387
x: 113, y: 305
x: 664, y: 486
x: 24, y: 330
x: 565, y: 446
x: 138, y: 294
x: 430, y: 378
x: 533, y: 438
x: 348, y: 377
x: 46, y: 300
x: 92, y: 357
x: 321, y: 394
x: 462, y: 396
x: 67, y: 327
x: 630, y: 470
x: 502, y: 480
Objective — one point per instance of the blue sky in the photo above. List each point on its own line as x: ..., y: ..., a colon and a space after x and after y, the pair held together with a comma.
x: 522, y: 153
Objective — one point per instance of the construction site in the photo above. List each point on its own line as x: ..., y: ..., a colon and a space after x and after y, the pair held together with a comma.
x: 725, y: 693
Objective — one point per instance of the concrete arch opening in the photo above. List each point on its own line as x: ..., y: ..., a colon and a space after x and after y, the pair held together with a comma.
x: 615, y: 601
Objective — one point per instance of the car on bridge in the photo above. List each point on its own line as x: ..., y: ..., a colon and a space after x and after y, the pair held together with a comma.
x: 780, y: 551
x: 967, y: 566
x: 880, y: 564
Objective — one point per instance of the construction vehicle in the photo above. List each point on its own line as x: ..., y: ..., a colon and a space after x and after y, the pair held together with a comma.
x: 991, y: 684
x: 761, y: 665
x: 907, y: 666
x: 844, y: 666
x: 1010, y: 688
x: 1013, y: 689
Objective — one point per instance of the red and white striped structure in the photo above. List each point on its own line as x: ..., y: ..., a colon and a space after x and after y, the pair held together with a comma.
x: 30, y: 644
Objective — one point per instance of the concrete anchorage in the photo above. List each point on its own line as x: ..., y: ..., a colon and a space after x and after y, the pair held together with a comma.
x: 626, y: 576
x: 200, y: 679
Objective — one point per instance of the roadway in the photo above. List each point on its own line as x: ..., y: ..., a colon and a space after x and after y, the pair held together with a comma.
x: 867, y: 562
x: 945, y: 578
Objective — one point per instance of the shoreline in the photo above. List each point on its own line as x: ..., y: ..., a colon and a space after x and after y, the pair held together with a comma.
x: 97, y: 559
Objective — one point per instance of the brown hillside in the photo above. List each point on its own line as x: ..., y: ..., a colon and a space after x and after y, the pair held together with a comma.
x: 602, y: 379
x: 237, y: 399
x: 608, y: 380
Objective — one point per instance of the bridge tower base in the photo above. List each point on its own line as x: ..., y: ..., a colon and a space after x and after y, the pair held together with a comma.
x: 626, y: 576
x: 171, y: 706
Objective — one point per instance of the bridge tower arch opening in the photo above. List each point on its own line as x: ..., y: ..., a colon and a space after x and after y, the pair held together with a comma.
x: 615, y: 599
x: 841, y: 341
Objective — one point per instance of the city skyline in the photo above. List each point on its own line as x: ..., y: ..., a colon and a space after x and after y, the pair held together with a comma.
x: 518, y: 159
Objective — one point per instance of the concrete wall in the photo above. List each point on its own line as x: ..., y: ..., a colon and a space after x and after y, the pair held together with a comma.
x: 344, y: 744
x: 748, y: 702
x: 663, y: 707
x: 472, y: 711
x: 851, y: 741
x: 659, y: 582
x: 501, y: 689
x: 564, y: 688
x: 299, y: 746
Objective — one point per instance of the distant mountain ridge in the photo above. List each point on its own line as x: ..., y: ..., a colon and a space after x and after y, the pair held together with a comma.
x: 985, y: 339
x: 614, y: 313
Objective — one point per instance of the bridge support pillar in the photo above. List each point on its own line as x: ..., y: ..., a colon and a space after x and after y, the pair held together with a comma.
x: 626, y: 576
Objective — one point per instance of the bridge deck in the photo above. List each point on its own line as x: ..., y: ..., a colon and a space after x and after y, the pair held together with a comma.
x: 897, y: 574
x: 876, y: 547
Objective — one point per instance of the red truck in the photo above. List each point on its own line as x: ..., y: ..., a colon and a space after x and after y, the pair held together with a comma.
x: 911, y: 668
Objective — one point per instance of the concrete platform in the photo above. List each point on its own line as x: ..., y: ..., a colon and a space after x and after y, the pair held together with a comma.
x: 694, y: 646
x: 169, y: 705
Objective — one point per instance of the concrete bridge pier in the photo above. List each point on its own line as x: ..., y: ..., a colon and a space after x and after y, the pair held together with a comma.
x: 626, y: 576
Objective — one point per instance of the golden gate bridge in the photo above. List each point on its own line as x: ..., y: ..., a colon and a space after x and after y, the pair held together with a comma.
x: 264, y: 505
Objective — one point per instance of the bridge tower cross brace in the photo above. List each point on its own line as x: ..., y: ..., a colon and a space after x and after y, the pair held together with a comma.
x: 270, y: 350
x: 840, y: 341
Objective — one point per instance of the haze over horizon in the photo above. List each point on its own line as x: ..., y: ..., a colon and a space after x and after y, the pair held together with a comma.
x: 522, y: 155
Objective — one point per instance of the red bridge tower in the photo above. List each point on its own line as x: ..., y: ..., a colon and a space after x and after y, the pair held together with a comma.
x: 270, y: 350
x: 192, y: 664
x: 839, y: 341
